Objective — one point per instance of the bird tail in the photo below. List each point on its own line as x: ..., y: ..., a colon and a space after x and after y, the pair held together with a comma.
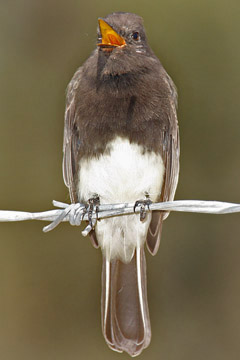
x: 125, y: 315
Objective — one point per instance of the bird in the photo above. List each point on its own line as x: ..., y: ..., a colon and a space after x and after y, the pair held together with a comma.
x: 121, y: 144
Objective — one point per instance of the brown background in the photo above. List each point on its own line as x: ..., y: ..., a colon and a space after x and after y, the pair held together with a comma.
x: 50, y: 283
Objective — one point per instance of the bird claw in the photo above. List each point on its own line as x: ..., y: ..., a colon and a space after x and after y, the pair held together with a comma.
x: 78, y: 212
x: 144, y: 207
x: 91, y: 208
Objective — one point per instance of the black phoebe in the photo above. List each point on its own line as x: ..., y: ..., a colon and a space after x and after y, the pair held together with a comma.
x: 121, y: 144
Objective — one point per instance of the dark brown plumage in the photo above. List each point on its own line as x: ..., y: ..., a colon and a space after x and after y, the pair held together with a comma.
x: 122, y: 95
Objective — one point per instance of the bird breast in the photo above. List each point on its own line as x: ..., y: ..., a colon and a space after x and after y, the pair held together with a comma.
x: 124, y: 173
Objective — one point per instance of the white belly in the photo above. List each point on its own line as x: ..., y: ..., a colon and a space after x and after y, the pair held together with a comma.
x: 123, y: 174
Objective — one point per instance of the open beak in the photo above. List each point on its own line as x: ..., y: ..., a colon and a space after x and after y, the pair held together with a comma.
x: 110, y: 38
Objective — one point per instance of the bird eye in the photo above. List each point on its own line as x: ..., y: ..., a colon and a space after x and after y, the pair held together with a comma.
x: 135, y: 36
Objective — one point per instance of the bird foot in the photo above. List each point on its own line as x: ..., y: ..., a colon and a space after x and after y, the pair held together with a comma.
x: 91, y: 208
x: 144, y: 207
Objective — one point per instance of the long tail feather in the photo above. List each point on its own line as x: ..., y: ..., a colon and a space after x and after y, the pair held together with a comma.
x: 125, y: 316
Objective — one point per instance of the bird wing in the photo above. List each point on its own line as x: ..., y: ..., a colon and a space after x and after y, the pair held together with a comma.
x: 71, y: 137
x: 71, y: 143
x: 170, y: 150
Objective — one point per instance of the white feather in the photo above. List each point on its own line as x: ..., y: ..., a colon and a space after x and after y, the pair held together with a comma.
x: 124, y: 173
x: 139, y: 281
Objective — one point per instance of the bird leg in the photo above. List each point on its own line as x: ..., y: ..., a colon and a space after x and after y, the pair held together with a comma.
x: 144, y: 206
x: 90, y: 208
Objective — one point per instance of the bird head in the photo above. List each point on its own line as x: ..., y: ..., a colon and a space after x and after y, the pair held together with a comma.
x: 122, y: 32
x: 122, y: 45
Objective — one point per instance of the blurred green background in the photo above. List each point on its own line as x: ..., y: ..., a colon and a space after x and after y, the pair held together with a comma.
x: 50, y: 283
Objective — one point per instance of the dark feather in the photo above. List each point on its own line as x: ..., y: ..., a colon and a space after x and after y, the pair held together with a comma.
x: 125, y: 317
x: 170, y: 150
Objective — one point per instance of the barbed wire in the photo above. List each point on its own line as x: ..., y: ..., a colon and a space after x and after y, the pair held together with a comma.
x: 76, y: 213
